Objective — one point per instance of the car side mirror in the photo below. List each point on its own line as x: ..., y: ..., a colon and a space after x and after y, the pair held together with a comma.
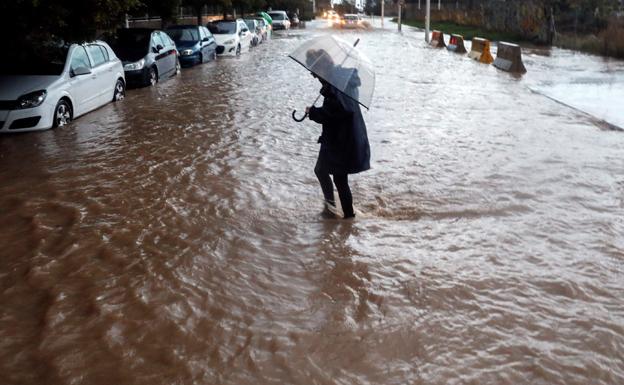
x: 159, y: 48
x: 80, y: 71
x: 206, y: 39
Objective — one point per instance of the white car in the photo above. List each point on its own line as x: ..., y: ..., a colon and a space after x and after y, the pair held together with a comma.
x: 232, y: 36
x: 280, y: 20
x: 351, y: 21
x: 55, y: 84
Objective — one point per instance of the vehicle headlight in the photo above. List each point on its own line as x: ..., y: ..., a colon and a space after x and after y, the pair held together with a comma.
x: 32, y: 99
x: 231, y: 41
x: 134, y: 66
x: 186, y: 52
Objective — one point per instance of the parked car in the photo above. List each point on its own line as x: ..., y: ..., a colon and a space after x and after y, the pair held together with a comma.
x: 52, y: 84
x: 194, y: 43
x: 232, y: 36
x: 351, y: 21
x: 263, y: 29
x: 147, y: 55
x: 294, y: 20
x: 280, y: 20
x: 254, y: 29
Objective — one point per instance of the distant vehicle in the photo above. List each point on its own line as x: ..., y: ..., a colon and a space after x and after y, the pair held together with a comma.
x: 194, y: 43
x: 351, y: 21
x: 148, y: 55
x: 263, y: 29
x: 280, y: 20
x: 254, y: 29
x: 330, y: 14
x: 232, y: 36
x: 294, y: 20
x: 54, y: 84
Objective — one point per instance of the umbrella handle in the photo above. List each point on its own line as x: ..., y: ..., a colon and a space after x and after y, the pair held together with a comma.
x: 299, y: 120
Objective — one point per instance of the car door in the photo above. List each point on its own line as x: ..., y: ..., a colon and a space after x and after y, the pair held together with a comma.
x: 210, y: 44
x: 245, y: 36
x: 203, y: 46
x: 161, y: 56
x: 82, y: 90
x: 100, y: 74
x: 172, y: 51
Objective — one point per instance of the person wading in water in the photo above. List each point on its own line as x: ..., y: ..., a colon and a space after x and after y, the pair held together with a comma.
x: 344, y: 143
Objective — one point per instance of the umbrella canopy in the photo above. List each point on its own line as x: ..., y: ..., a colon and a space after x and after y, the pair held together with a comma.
x: 340, y: 64
x: 266, y: 17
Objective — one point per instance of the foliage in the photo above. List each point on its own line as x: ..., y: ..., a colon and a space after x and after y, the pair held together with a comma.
x: 36, y: 20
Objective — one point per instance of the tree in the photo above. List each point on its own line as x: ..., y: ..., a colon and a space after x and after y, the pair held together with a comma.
x: 41, y: 20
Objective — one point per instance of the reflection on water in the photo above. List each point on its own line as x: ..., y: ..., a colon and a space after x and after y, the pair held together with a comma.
x: 177, y: 237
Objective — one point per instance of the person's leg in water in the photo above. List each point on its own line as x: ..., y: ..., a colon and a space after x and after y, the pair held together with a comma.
x: 344, y: 193
x: 325, y: 181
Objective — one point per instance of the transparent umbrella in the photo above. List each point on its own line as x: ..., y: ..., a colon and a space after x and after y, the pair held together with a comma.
x: 339, y: 64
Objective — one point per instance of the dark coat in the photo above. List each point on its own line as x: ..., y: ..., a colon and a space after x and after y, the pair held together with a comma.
x: 344, y: 142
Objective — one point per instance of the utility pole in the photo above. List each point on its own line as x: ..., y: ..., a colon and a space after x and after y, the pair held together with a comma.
x: 427, y: 19
x: 382, y: 12
x: 399, y: 5
x: 439, y: 7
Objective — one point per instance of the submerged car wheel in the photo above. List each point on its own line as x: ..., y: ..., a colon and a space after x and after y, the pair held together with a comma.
x: 152, y: 78
x: 62, y: 113
x: 120, y: 91
x: 178, y: 67
x: 238, y: 50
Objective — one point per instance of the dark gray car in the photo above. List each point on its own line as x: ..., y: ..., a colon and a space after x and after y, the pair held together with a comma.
x: 147, y: 55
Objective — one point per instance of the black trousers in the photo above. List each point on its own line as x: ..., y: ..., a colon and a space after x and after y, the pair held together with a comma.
x: 342, y: 185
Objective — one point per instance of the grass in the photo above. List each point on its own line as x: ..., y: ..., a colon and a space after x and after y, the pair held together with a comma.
x: 609, y: 42
x: 467, y: 31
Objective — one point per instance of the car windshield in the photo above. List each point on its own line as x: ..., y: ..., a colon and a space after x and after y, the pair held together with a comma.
x: 276, y: 15
x: 47, y: 59
x: 250, y: 24
x: 184, y: 35
x: 131, y: 45
x: 223, y: 28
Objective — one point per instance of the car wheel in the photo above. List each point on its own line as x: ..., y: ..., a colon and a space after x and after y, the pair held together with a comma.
x: 152, y: 78
x: 177, y: 67
x: 62, y: 113
x: 238, y: 50
x: 120, y: 91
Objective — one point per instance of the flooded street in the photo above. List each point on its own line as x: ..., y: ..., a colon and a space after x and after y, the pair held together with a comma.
x: 177, y: 237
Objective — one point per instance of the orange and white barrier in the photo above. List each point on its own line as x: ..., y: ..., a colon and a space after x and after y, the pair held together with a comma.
x: 480, y: 50
x: 437, y: 39
x: 509, y: 58
x: 456, y: 44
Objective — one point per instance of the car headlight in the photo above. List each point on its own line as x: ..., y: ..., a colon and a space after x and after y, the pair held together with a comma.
x: 186, y: 52
x: 231, y: 41
x: 134, y: 66
x: 32, y: 99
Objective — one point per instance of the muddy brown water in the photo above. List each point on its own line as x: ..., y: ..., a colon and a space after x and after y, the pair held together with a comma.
x: 176, y: 237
